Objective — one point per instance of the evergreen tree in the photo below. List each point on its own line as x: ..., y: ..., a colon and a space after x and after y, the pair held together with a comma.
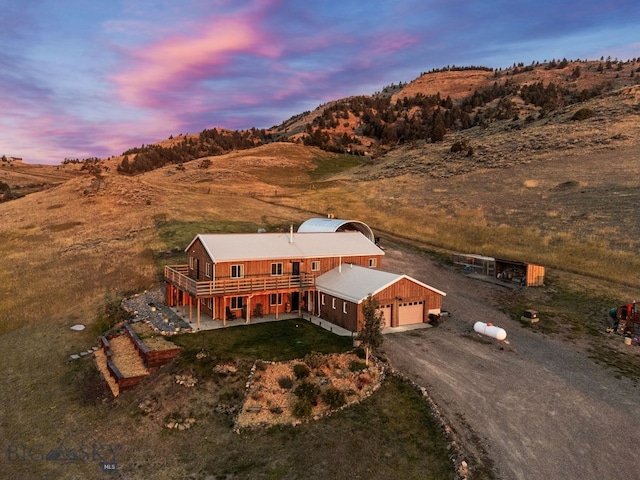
x: 371, y: 333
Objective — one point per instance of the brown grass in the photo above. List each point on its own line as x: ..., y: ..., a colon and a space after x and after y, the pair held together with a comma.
x: 560, y: 193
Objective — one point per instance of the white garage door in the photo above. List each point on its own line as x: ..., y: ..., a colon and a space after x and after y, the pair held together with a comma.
x: 386, y: 311
x: 410, y: 313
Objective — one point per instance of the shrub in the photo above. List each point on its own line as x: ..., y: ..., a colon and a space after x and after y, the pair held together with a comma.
x: 356, y: 366
x: 308, y: 391
x: 315, y: 360
x: 583, y: 114
x: 285, y: 382
x: 301, y: 371
x: 457, y: 147
x: 334, y: 398
x: 302, y: 408
x: 261, y: 366
x: 363, y: 380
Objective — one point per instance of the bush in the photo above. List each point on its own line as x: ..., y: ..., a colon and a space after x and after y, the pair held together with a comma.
x: 456, y: 147
x: 334, y: 398
x: 583, y: 114
x: 356, y: 366
x: 261, y: 366
x: 315, y: 360
x: 301, y: 371
x: 302, y: 408
x: 285, y: 382
x: 308, y: 391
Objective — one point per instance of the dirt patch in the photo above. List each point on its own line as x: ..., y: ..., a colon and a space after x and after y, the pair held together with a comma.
x: 274, y: 389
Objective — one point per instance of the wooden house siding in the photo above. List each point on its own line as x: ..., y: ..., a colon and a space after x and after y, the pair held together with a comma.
x: 349, y: 320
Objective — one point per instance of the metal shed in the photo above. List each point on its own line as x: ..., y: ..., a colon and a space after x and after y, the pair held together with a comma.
x: 336, y: 225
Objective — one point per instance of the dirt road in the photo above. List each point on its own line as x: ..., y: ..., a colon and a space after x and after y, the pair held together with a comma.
x: 532, y: 408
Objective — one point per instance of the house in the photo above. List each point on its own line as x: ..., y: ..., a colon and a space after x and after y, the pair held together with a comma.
x: 232, y: 275
x: 402, y: 299
x: 253, y: 274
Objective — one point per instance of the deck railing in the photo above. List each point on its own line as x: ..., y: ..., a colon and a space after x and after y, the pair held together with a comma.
x: 177, y: 275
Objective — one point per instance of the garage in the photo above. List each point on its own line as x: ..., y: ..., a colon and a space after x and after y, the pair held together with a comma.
x: 386, y: 314
x: 410, y: 313
x: 402, y: 300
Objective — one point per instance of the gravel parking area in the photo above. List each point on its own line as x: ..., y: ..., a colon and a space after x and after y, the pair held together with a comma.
x: 533, y: 407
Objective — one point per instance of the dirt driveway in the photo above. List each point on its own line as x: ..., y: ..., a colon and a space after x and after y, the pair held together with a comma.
x: 532, y: 408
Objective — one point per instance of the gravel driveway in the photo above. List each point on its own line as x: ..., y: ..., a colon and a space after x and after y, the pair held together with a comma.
x: 532, y: 408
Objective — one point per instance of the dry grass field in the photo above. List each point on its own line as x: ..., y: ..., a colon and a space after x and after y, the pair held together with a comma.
x: 557, y: 192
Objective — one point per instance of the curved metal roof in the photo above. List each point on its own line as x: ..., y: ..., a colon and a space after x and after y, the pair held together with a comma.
x: 336, y: 225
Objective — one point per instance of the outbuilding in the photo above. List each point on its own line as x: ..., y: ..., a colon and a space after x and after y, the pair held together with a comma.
x: 403, y: 300
x: 319, y: 225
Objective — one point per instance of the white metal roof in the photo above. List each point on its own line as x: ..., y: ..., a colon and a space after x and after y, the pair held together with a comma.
x: 355, y: 283
x: 335, y: 225
x: 227, y: 247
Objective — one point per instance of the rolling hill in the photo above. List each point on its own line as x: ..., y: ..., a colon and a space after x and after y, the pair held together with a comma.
x: 516, y: 173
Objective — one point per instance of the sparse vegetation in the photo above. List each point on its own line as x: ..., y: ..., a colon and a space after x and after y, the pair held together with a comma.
x: 583, y: 114
x: 63, y: 250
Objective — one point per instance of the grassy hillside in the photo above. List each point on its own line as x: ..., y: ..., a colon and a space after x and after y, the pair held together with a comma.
x: 554, y: 190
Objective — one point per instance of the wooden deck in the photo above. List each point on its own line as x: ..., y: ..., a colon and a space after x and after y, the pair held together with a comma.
x: 177, y: 275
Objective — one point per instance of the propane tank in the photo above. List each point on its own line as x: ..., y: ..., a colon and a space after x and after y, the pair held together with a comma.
x: 490, y: 330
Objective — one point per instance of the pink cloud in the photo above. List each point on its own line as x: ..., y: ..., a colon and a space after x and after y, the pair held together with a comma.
x: 180, y: 61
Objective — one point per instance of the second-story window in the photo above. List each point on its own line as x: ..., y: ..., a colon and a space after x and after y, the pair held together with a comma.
x: 237, y: 271
x: 344, y: 307
x: 191, y: 263
x: 372, y: 263
x: 208, y: 270
x: 315, y: 266
x: 276, y: 268
x: 333, y: 303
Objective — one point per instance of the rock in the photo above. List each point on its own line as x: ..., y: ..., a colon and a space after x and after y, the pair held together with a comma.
x: 75, y: 357
x: 78, y: 327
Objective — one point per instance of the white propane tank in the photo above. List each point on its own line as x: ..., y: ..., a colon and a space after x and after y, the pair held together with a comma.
x: 490, y: 330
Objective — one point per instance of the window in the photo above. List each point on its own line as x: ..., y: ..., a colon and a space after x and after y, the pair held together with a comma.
x: 237, y: 271
x: 333, y: 303
x: 275, y: 299
x: 236, y: 303
x: 210, y: 303
x: 372, y: 263
x: 276, y: 269
x: 322, y: 298
x: 344, y: 307
x: 191, y: 263
x: 208, y: 270
x: 315, y: 266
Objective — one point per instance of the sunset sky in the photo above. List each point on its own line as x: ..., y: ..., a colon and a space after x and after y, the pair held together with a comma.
x: 81, y: 78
